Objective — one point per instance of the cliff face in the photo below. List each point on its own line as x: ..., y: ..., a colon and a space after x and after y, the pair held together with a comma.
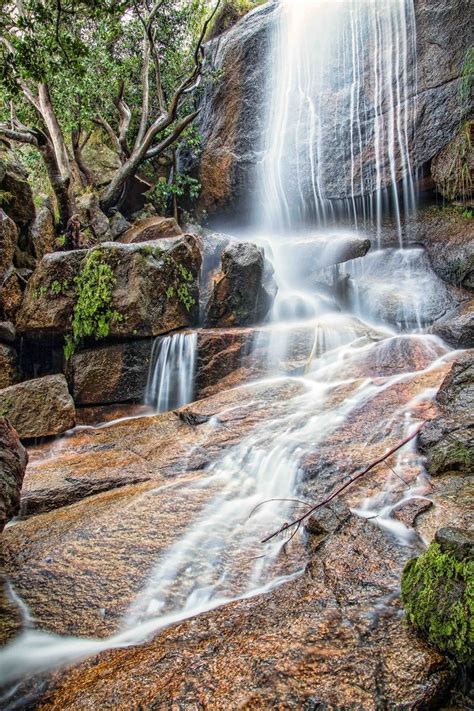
x: 234, y: 102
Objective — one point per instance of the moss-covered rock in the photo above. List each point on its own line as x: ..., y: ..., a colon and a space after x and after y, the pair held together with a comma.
x: 438, y: 593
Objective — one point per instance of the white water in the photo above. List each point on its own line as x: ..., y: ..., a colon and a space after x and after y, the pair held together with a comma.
x: 321, y: 78
x: 172, y: 369
x: 341, y: 112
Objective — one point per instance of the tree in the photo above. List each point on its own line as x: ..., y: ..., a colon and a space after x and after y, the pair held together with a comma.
x: 61, y: 60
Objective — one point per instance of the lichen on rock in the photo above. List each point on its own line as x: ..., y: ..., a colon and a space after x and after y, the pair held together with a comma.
x: 438, y: 593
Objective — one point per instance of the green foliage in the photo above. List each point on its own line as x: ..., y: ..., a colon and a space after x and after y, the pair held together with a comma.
x: 58, y: 287
x: 5, y: 197
x: 93, y: 315
x: 467, y: 81
x: 164, y: 191
x: 180, y: 278
x: 438, y: 595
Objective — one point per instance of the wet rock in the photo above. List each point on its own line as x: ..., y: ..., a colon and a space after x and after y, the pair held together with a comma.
x: 95, y: 225
x: 319, y: 253
x: 457, y: 328
x: 7, y: 332
x: 232, y: 113
x: 118, y: 225
x: 232, y: 109
x: 151, y: 280
x: 13, y: 460
x: 447, y: 237
x: 399, y: 287
x: 244, y: 290
x: 110, y: 374
x: 459, y: 543
x: 151, y: 229
x: 40, y: 407
x: 8, y: 366
x: 43, y: 232
x: 8, y: 243
x: 19, y: 204
x: 447, y: 441
x: 435, y: 593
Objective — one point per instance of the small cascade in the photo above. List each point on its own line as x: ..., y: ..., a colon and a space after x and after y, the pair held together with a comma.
x: 172, y: 368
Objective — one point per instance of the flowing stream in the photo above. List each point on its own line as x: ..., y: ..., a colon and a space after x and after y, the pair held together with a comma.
x: 337, y: 64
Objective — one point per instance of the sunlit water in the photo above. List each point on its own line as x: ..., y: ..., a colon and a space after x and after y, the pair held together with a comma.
x: 324, y: 78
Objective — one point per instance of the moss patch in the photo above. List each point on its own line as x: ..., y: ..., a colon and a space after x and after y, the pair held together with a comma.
x: 93, y: 314
x: 438, y: 595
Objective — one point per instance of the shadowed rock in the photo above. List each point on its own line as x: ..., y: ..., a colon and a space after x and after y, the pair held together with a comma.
x: 13, y: 460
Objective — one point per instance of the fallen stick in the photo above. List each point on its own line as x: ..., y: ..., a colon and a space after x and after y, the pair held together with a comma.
x: 297, y: 522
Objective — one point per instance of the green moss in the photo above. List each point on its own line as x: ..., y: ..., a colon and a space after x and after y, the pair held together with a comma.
x: 93, y: 315
x: 451, y: 454
x: 5, y: 406
x: 180, y: 280
x: 438, y: 595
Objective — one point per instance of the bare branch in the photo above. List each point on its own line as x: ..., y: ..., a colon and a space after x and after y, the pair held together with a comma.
x: 18, y: 135
x: 297, y: 522
x: 169, y: 140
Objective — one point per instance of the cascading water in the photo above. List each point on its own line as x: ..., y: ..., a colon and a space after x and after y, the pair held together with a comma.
x: 341, y: 113
x: 172, y: 369
x: 340, y: 68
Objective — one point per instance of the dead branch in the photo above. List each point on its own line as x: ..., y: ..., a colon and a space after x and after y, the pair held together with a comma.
x: 297, y: 522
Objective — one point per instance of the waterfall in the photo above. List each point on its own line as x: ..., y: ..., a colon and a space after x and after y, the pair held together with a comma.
x: 339, y: 137
x: 171, y: 375
x: 341, y: 113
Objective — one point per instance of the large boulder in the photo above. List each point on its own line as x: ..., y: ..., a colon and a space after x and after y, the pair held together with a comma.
x: 8, y: 366
x: 111, y: 373
x: 43, y: 232
x: 18, y: 203
x: 150, y: 229
x: 447, y: 236
x: 457, y: 328
x: 8, y: 243
x: 156, y: 288
x: 95, y: 225
x: 13, y: 461
x: 11, y: 293
x: 437, y: 593
x: 244, y: 290
x: 447, y: 440
x: 235, y: 98
x: 40, y: 407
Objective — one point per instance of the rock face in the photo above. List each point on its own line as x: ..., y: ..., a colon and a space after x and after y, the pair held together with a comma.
x: 447, y: 441
x: 453, y: 165
x: 110, y: 374
x: 94, y: 223
x: 437, y: 593
x: 457, y: 328
x: 14, y: 181
x: 13, y: 460
x: 8, y: 366
x: 151, y: 229
x: 156, y: 288
x: 40, y: 407
x: 232, y: 112
x: 244, y: 290
x: 43, y: 233
x: 232, y: 107
x: 447, y: 237
x: 8, y: 243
